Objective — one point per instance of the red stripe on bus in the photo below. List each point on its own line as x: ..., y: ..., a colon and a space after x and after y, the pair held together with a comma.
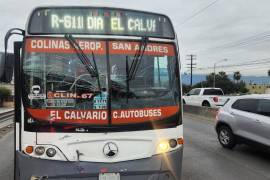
x: 100, y: 117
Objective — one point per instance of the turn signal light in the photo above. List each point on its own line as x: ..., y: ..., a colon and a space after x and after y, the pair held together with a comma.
x: 29, y: 149
x: 180, y: 141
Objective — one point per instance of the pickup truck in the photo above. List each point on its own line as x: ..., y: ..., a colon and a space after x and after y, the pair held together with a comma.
x: 209, y: 97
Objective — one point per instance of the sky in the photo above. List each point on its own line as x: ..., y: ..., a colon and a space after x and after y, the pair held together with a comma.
x: 213, y: 30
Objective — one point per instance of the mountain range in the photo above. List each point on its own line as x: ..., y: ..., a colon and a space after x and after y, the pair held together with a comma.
x: 247, y: 79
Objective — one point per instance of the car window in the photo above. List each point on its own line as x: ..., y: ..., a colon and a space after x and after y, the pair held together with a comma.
x: 264, y: 107
x: 213, y: 92
x: 248, y: 105
x: 194, y: 92
x: 197, y: 92
x: 191, y: 92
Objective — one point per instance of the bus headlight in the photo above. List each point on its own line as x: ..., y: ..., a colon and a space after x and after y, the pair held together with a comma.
x: 40, y: 150
x: 168, y: 145
x: 163, y: 147
x: 50, y: 152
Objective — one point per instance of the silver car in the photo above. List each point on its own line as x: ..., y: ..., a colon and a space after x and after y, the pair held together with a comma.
x: 244, y: 119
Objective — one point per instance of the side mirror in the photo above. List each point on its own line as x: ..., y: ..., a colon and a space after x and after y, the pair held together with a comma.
x: 187, y: 94
x: 7, y: 60
x: 6, y: 67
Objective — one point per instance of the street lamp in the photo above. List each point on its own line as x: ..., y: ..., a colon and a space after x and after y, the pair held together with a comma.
x: 222, y: 60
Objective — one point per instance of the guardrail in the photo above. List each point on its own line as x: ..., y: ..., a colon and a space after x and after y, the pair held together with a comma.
x: 6, y: 118
x: 205, y: 112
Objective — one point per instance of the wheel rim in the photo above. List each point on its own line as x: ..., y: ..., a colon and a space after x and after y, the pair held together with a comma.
x: 224, y: 137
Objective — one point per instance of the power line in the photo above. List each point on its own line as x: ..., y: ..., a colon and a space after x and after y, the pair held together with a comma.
x: 247, y: 63
x: 257, y: 38
x: 245, y: 69
x: 198, y: 12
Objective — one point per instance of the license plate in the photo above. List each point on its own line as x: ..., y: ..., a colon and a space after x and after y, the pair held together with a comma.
x: 109, y: 176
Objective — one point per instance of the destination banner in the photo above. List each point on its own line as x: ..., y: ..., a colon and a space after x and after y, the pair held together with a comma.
x: 99, y: 21
x: 57, y: 45
x: 157, y: 49
x: 100, y: 117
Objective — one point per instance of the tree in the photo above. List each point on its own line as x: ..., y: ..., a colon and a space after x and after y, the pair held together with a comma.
x: 269, y: 72
x: 5, y: 93
x: 241, y: 87
x: 223, y: 82
x: 222, y: 74
x: 237, y: 76
x: 186, y: 88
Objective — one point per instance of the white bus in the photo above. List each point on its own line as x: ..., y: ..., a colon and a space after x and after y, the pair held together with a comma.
x: 98, y: 96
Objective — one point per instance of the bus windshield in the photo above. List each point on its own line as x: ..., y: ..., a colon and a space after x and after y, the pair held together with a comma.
x: 61, y: 95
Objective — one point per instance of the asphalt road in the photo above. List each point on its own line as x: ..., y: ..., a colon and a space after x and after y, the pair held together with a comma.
x: 6, y: 156
x: 204, y: 159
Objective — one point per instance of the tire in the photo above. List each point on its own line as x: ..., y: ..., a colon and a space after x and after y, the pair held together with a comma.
x: 226, y: 137
x: 184, y: 102
x: 206, y: 104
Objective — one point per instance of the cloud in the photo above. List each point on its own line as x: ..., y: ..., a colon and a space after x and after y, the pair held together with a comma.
x: 224, y: 22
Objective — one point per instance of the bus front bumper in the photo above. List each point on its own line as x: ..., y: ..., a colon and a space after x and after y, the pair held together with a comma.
x: 159, y: 167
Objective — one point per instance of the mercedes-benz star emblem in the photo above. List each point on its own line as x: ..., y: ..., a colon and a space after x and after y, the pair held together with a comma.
x: 110, y: 149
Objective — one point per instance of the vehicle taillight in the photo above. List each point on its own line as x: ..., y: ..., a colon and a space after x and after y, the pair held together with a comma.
x: 215, y: 99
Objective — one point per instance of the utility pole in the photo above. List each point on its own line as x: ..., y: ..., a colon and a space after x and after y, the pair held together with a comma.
x: 191, y: 65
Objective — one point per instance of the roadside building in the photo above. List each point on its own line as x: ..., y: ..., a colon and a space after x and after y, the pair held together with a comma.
x: 258, y: 88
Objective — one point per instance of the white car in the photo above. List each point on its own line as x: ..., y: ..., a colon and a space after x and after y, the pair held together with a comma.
x: 244, y: 119
x: 209, y: 97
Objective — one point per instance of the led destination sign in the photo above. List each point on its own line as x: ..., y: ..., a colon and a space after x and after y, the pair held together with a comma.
x: 99, y: 21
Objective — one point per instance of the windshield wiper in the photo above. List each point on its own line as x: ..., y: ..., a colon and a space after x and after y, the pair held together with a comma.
x: 84, y: 59
x: 132, y: 70
x: 127, y: 78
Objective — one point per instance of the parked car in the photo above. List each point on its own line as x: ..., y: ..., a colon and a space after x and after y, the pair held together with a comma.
x: 244, y: 119
x: 210, y: 97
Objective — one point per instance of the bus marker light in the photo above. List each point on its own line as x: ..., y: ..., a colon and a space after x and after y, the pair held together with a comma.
x: 180, y: 141
x: 163, y: 147
x: 29, y: 149
x: 51, y: 152
x: 39, y: 150
x: 173, y: 143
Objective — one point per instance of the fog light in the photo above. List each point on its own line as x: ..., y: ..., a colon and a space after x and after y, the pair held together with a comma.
x: 163, y: 147
x: 51, y: 152
x: 39, y: 150
x: 34, y: 178
x: 173, y: 143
